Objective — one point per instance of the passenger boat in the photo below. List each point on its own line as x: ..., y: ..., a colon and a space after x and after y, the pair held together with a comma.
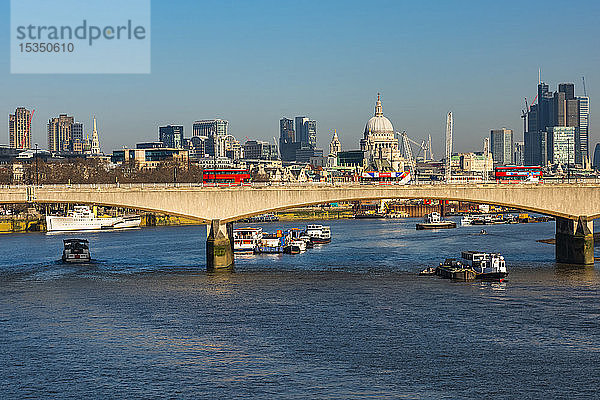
x: 487, y: 266
x: 245, y: 240
x: 82, y: 218
x: 271, y: 243
x: 434, y: 221
x: 427, y: 272
x: 295, y: 247
x: 467, y: 220
x: 76, y: 251
x: 318, y: 234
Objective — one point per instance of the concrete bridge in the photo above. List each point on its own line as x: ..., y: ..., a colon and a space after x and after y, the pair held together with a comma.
x: 574, y: 205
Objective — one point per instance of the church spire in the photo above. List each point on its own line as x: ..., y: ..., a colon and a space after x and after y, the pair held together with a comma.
x: 378, y: 107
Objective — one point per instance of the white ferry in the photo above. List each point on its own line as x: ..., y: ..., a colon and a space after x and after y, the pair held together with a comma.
x: 76, y: 251
x: 487, y: 266
x: 82, y: 218
x: 245, y: 240
x: 318, y: 233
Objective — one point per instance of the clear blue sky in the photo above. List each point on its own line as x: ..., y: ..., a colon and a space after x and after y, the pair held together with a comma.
x: 252, y: 62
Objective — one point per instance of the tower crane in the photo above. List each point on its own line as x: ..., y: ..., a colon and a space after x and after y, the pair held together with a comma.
x: 584, y: 91
x: 277, y: 147
x: 408, y: 154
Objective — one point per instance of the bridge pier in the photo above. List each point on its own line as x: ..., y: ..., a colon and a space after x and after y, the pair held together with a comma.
x: 219, y: 246
x: 574, y: 241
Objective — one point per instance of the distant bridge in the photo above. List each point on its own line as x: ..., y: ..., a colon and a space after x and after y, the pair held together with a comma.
x: 574, y: 205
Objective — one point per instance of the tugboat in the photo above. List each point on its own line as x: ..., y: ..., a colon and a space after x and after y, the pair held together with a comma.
x: 76, y: 251
x: 487, y: 266
x: 433, y: 221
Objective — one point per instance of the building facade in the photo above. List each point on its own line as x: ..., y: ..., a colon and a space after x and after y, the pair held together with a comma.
x: 60, y: 133
x: 519, y: 153
x: 19, y: 129
x: 501, y: 146
x: 335, y: 146
x: 259, y: 150
x: 561, y: 144
x: 171, y: 136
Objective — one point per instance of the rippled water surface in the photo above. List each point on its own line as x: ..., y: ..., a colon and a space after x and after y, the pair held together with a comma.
x: 346, y: 320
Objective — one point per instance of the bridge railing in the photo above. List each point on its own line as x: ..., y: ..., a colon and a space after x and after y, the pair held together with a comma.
x: 99, y: 186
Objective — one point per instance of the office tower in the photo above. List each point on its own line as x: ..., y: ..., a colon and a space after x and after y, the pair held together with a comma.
x: 259, y: 150
x: 519, y: 153
x: 60, y: 130
x: 287, y: 140
x: 78, y: 139
x: 582, y: 150
x: 19, y: 129
x: 210, y: 127
x: 215, y: 130
x: 171, y: 136
x: 301, y: 133
x: 95, y: 144
x: 502, y: 145
x: 596, y: 163
x: 561, y: 144
x: 310, y: 133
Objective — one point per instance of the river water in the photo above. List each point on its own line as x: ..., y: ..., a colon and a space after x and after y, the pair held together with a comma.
x: 346, y: 320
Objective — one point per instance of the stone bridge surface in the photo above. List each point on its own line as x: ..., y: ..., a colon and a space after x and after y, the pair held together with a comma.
x: 227, y: 204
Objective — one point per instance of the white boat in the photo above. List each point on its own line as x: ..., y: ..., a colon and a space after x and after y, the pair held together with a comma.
x: 76, y: 251
x: 245, y: 240
x: 467, y: 220
x: 487, y: 266
x: 82, y: 218
x: 434, y: 221
x: 318, y: 233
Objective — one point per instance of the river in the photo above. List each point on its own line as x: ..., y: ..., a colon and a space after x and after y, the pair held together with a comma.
x: 350, y: 319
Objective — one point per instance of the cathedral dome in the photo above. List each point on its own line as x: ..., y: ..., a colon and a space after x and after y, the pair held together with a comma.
x: 379, y: 125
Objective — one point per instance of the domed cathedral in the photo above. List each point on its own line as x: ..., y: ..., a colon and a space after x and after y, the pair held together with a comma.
x: 379, y: 143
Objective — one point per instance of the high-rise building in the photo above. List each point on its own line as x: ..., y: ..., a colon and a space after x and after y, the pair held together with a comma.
x: 561, y: 144
x: 558, y: 109
x: 216, y: 130
x: 287, y: 140
x: 583, y: 134
x: 60, y: 133
x: 310, y: 132
x: 519, y: 153
x: 171, y: 136
x: 259, y: 150
x: 596, y: 163
x: 301, y: 134
x: 77, y: 138
x: 502, y: 145
x: 19, y: 129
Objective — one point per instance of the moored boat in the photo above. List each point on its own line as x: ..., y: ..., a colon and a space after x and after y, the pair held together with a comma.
x: 318, y: 234
x: 82, y: 218
x: 245, y: 240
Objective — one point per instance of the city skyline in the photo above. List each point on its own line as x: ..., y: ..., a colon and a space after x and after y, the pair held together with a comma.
x: 470, y: 61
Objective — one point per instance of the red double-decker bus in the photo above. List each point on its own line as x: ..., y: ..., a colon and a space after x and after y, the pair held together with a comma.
x: 518, y: 174
x: 225, y: 177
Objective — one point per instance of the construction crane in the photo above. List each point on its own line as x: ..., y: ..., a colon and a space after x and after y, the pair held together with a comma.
x: 424, y: 146
x: 486, y: 152
x: 525, y: 116
x: 584, y: 91
x: 449, y: 131
x: 408, y: 154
